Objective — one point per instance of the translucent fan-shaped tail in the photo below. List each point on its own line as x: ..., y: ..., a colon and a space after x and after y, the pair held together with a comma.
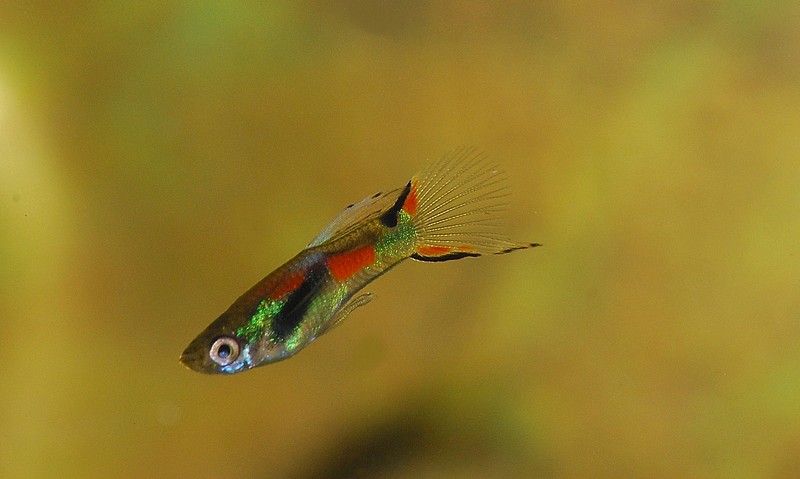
x: 456, y: 205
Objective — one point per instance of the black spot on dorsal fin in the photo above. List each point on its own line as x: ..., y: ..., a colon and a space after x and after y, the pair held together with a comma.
x: 389, y: 219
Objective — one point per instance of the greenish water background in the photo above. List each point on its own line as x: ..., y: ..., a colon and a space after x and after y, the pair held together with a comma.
x: 157, y: 160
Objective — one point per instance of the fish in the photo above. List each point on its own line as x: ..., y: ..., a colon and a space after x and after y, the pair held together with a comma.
x: 448, y: 211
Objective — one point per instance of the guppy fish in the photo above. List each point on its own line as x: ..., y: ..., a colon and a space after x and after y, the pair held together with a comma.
x: 446, y: 212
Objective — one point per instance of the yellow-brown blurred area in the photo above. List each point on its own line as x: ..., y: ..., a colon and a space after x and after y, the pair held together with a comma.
x: 157, y: 159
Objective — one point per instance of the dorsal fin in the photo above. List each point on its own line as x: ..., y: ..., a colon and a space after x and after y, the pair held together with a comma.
x: 370, y: 207
x: 389, y: 217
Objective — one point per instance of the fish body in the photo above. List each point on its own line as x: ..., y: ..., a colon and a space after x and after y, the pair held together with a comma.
x: 448, y: 211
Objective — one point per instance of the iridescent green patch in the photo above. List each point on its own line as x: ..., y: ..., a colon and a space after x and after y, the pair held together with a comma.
x: 398, y: 241
x: 293, y: 342
x: 257, y: 325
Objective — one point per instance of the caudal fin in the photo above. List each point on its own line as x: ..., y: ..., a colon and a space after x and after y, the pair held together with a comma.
x: 456, y: 205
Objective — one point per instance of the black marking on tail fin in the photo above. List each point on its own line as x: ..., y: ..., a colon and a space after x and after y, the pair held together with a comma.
x: 444, y: 257
x: 389, y: 219
x: 522, y: 246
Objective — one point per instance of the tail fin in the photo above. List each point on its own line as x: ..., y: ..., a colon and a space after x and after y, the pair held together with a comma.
x: 455, y: 205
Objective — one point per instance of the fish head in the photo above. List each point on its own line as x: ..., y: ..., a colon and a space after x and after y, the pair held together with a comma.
x: 223, y: 348
x: 217, y: 354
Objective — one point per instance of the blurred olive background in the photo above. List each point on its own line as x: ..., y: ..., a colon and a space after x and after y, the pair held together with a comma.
x: 156, y: 160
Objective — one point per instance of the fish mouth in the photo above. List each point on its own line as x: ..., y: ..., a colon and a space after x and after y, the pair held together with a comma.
x: 194, y: 359
x: 188, y: 360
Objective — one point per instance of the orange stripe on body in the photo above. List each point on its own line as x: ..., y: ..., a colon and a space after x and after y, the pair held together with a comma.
x: 287, y: 285
x: 345, y: 265
x: 410, y: 205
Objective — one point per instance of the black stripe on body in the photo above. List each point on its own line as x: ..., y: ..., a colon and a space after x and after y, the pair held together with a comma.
x: 389, y: 219
x: 444, y: 257
x: 297, y: 302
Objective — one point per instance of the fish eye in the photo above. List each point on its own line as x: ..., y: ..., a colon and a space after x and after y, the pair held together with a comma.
x: 224, y: 351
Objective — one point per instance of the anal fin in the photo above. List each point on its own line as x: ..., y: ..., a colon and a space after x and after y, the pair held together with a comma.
x: 354, y: 304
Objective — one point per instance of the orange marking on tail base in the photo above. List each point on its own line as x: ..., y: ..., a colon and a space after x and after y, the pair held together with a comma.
x: 410, y: 205
x: 434, y: 251
x: 345, y: 265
